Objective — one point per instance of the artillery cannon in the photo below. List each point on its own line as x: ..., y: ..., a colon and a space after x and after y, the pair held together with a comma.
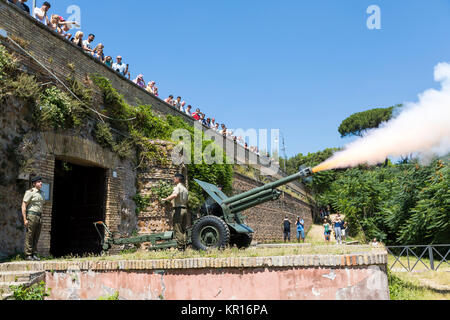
x: 219, y: 222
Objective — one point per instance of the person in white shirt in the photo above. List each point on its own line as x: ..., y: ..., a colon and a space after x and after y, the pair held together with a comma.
x: 188, y: 110
x: 120, y: 67
x: 41, y: 13
x: 87, y: 44
x: 169, y: 100
x: 177, y: 103
x: 151, y: 87
x: 223, y: 131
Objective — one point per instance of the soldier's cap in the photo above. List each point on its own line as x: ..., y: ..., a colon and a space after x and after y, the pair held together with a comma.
x: 36, y: 179
x: 179, y: 175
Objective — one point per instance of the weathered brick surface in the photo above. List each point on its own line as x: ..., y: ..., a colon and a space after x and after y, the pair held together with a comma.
x: 64, y: 59
x: 267, y: 219
x: 377, y: 258
x: 59, y: 55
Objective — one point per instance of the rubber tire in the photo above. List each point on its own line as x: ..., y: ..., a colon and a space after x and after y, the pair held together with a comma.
x: 243, y: 240
x: 217, y: 223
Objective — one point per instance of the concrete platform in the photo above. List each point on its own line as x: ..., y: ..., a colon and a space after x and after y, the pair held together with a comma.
x: 303, y: 277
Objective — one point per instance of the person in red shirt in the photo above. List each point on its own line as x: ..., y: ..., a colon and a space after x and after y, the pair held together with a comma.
x: 196, y: 114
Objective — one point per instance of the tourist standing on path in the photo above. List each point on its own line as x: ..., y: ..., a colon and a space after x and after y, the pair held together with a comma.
x: 344, y: 230
x: 181, y: 217
x: 32, y: 208
x: 327, y: 230
x: 338, y: 228
x: 300, y: 229
x: 287, y: 229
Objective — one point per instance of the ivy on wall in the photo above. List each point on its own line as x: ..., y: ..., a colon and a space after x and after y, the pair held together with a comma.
x: 56, y: 109
x: 147, y: 126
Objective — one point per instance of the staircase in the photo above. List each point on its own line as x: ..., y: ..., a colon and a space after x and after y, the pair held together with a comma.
x: 17, y: 278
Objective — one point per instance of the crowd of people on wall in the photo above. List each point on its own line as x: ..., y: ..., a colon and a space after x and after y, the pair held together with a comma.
x: 58, y: 24
x: 211, y: 123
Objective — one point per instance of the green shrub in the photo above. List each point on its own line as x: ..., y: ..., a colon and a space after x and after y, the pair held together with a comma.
x: 56, y: 110
x: 26, y: 87
x: 162, y: 190
x: 114, y: 296
x: 8, y: 64
x: 35, y: 292
x: 103, y: 135
x: 142, y: 202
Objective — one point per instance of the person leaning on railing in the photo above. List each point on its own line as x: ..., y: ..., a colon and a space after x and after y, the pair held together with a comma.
x: 40, y: 14
x: 78, y: 39
x: 97, y: 52
x: 109, y: 61
x: 140, y: 81
x: 21, y: 4
x: 121, y: 67
x: 54, y: 23
x: 151, y: 87
x: 65, y: 28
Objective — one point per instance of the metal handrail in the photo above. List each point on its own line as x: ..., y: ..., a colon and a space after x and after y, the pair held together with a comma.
x: 431, y: 249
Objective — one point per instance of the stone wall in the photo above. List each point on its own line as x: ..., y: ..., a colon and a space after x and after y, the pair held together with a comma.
x: 63, y: 58
x: 26, y: 152
x: 267, y: 219
x: 157, y: 217
x: 306, y: 277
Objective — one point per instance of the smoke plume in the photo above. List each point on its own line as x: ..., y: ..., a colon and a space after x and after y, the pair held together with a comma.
x: 422, y: 128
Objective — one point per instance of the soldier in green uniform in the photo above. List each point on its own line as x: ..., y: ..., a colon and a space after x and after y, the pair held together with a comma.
x: 181, y: 217
x: 32, y: 208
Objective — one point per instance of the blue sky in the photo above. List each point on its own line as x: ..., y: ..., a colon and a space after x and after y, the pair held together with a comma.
x: 298, y: 66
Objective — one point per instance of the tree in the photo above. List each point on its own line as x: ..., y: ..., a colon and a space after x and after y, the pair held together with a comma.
x: 358, y: 123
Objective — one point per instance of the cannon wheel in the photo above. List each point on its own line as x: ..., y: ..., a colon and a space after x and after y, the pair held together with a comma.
x: 210, y: 232
x: 243, y: 240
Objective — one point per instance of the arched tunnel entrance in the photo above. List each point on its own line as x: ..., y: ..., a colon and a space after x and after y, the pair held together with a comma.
x: 79, y: 195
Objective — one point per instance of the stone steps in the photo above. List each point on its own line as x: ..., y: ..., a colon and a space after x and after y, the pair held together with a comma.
x: 6, y: 296
x: 18, y: 278
x: 17, y: 266
x: 5, y: 286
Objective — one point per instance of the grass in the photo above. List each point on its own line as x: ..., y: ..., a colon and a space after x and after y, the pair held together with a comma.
x: 421, y: 283
x: 406, y: 286
x: 227, y: 253
x: 420, y: 267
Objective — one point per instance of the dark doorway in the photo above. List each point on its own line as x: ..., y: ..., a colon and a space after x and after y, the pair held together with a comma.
x: 78, y: 202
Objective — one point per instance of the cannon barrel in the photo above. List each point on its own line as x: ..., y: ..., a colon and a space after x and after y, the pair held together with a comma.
x: 265, y: 191
x: 272, y: 196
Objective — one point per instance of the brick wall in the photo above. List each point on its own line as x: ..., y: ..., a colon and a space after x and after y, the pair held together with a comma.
x: 267, y: 219
x: 119, y: 187
x: 59, y: 55
x: 156, y: 217
x: 354, y: 276
x: 46, y: 167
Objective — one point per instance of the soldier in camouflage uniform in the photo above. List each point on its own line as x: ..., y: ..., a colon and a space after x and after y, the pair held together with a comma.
x: 32, y: 208
x: 181, y: 217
